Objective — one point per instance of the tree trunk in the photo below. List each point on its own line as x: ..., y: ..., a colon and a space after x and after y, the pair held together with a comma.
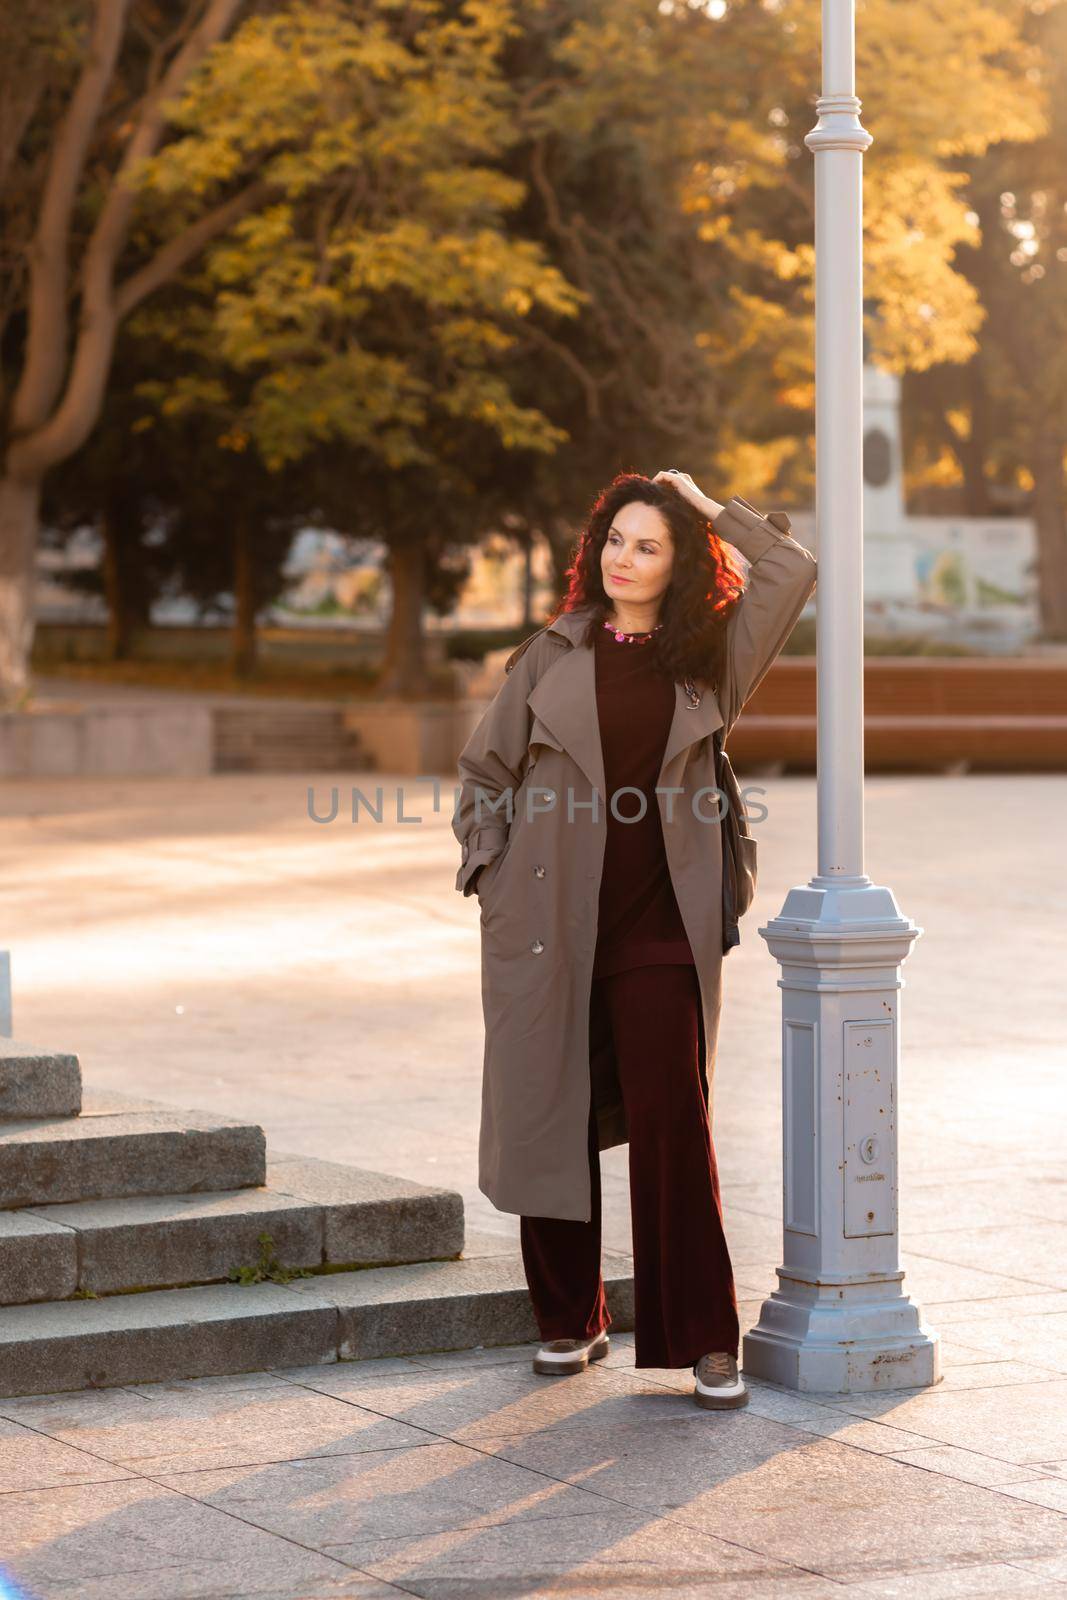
x: 404, y: 672
x: 974, y: 451
x: 1050, y: 521
x: 121, y: 614
x: 19, y: 506
x: 243, y: 656
x: 527, y: 581
x: 561, y: 545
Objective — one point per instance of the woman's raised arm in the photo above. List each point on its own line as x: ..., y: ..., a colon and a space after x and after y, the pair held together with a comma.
x: 781, y: 577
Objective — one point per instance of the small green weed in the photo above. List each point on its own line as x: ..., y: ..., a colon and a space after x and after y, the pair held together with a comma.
x: 268, y: 1268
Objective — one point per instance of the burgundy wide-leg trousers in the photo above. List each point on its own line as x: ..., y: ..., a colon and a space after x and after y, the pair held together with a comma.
x: 685, y: 1302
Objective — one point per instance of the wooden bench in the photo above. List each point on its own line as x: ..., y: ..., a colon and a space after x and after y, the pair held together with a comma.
x: 921, y: 714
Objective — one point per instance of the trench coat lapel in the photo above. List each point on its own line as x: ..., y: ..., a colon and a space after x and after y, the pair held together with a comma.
x: 563, y: 702
x: 690, y: 723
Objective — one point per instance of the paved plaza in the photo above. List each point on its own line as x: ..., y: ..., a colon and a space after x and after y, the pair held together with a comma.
x: 204, y: 943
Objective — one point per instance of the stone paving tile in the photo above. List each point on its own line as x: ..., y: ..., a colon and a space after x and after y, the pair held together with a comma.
x: 1039, y: 1194
x: 961, y: 1203
x: 859, y: 1515
x: 466, y: 1403
x: 223, y: 1384
x: 977, y: 1371
x: 968, y: 1466
x: 210, y: 1428
x: 755, y: 1279
x: 355, y: 1583
x: 520, y: 1356
x: 449, y: 1520
x: 481, y: 1242
x: 140, y: 1541
x: 618, y: 1554
x: 371, y: 1366
x: 1020, y: 1423
x: 989, y: 1581
x: 73, y: 1407
x: 1053, y: 1569
x: 956, y: 1354
x: 30, y: 1460
x: 796, y: 1411
x: 762, y: 1199
x: 927, y: 1281
x: 816, y: 1415
x: 351, y: 1502
x: 930, y: 1278
x: 1043, y: 1491
x: 1037, y: 1252
x: 1040, y: 1302
x: 962, y: 1368
x: 501, y: 1355
x: 1038, y: 1339
x: 750, y: 1236
x: 482, y: 1356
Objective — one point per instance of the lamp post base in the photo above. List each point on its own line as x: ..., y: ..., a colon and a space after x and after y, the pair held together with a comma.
x: 841, y: 1339
x: 840, y: 1321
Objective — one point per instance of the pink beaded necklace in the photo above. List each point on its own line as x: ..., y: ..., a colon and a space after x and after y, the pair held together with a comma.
x: 631, y: 638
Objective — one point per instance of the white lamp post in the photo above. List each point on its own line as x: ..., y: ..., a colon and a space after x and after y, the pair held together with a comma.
x: 840, y: 1320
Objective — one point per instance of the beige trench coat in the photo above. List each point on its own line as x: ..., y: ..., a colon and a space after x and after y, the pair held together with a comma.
x: 536, y: 755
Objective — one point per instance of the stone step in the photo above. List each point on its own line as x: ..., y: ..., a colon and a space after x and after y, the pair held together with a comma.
x: 372, y: 1218
x: 319, y: 1215
x: 285, y: 739
x: 119, y: 1145
x: 36, y: 1082
x: 478, y: 1300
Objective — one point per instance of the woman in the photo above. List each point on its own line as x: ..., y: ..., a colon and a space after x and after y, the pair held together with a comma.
x: 600, y: 887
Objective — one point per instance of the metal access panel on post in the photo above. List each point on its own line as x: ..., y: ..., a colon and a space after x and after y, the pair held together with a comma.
x: 869, y: 1169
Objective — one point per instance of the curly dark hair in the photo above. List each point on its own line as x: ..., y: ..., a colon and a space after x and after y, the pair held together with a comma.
x: 706, y: 581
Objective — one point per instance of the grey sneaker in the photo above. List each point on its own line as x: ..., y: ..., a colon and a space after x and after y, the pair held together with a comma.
x: 570, y: 1355
x: 719, y: 1386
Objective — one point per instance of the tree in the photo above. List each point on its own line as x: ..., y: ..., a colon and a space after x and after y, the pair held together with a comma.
x: 673, y: 187
x: 1001, y: 420
x: 89, y: 144
x: 432, y: 193
x: 180, y: 505
x: 371, y: 303
x: 663, y: 187
x: 117, y: 483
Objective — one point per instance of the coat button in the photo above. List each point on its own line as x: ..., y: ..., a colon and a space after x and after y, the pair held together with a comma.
x: 539, y: 872
x: 537, y: 947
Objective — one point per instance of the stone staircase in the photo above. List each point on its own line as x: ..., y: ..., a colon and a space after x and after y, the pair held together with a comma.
x: 286, y: 738
x: 140, y: 1242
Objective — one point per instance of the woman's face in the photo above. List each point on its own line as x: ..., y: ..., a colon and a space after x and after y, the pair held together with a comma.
x: 638, y: 555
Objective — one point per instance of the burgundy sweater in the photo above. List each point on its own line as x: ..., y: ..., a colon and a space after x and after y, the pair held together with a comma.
x: 639, y: 921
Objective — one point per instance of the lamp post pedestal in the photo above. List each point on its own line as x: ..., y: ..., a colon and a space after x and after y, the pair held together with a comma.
x: 840, y: 1321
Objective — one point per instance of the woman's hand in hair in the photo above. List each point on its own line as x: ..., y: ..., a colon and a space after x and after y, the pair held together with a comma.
x: 686, y: 487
